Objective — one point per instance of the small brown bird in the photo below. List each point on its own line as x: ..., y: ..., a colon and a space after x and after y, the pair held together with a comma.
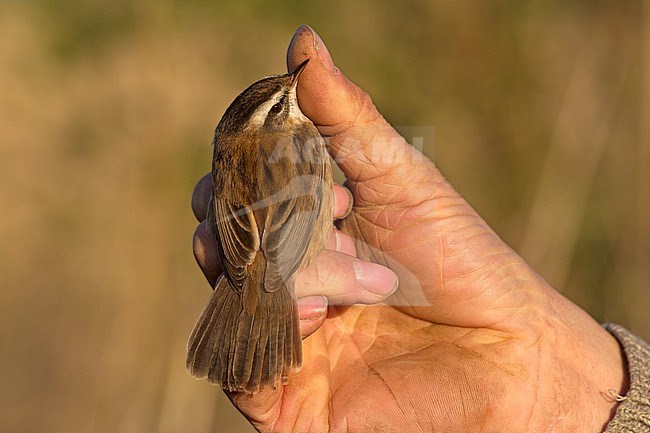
x: 271, y: 206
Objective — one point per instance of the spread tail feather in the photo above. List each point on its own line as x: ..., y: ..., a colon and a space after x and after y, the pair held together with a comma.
x: 241, y: 351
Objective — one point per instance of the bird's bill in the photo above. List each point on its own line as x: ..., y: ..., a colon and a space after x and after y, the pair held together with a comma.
x: 296, y: 73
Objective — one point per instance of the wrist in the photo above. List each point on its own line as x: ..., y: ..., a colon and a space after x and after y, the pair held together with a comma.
x: 634, y: 404
x: 590, y: 371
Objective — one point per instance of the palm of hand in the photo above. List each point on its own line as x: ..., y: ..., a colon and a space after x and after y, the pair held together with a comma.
x: 387, y: 367
x: 442, y: 379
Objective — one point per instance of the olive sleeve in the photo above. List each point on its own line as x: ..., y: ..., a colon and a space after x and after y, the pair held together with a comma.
x: 633, y: 413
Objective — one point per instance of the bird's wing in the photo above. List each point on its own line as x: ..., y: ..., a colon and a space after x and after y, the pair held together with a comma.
x: 239, y: 240
x: 289, y: 227
x: 280, y: 222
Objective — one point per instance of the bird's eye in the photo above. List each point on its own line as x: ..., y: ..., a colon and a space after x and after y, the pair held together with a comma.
x: 277, y: 108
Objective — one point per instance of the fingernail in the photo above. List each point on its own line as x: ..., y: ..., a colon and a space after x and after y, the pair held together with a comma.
x: 342, y: 195
x: 348, y: 211
x: 317, y: 44
x: 375, y: 278
x: 312, y: 306
x: 322, y: 51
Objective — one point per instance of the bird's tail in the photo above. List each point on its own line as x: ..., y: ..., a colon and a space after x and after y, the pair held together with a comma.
x: 244, y: 350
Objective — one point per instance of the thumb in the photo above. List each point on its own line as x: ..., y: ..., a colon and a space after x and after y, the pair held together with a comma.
x: 326, y: 96
x: 363, y: 144
x: 452, y: 267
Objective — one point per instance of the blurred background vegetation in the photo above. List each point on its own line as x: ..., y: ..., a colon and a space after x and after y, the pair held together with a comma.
x: 540, y: 110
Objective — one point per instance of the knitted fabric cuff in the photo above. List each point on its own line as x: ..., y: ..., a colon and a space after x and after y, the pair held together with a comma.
x: 633, y: 413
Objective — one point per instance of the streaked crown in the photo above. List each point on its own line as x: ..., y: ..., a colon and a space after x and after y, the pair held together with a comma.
x: 268, y: 103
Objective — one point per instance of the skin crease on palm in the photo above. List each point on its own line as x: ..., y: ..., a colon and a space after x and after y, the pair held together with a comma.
x: 472, y: 340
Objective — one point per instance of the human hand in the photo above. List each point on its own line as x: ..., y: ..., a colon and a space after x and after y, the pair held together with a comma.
x: 473, y: 339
